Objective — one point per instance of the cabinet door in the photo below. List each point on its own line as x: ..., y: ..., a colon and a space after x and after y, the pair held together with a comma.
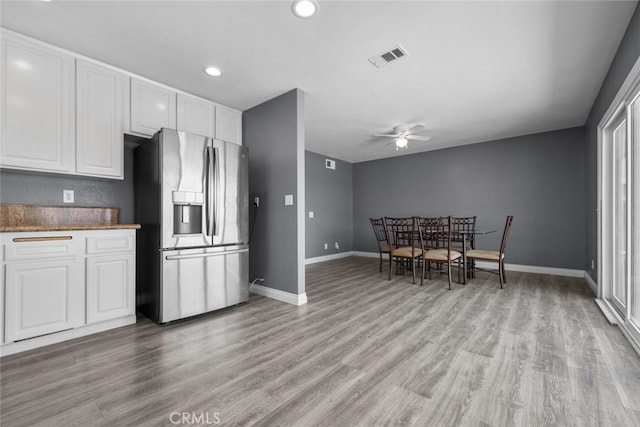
x: 43, y: 297
x: 196, y: 115
x: 228, y: 125
x: 152, y: 107
x: 101, y: 94
x: 110, y: 287
x: 37, y: 112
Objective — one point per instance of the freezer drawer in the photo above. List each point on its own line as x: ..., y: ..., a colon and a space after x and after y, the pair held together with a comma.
x: 196, y: 281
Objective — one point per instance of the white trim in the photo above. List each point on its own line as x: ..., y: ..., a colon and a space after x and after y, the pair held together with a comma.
x: 567, y: 272
x: 614, y: 318
x: 324, y: 258
x: 278, y: 295
x: 30, y: 344
x: 609, y: 313
x: 369, y: 255
x: 592, y: 284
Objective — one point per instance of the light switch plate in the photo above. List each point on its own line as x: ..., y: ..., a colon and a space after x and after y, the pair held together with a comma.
x: 310, y: 214
x: 67, y: 196
x: 288, y: 200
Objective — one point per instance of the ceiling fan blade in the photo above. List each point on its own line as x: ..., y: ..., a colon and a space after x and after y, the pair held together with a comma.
x: 386, y: 135
x: 418, y: 137
x: 416, y: 127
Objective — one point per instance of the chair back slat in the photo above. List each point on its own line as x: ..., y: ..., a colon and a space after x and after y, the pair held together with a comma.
x: 400, y: 231
x: 505, y: 234
x: 463, y: 224
x: 379, y: 230
x: 430, y: 231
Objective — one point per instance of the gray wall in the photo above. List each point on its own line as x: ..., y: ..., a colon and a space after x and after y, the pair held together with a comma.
x: 329, y: 195
x: 274, y: 133
x: 625, y: 58
x: 45, y: 189
x: 537, y: 178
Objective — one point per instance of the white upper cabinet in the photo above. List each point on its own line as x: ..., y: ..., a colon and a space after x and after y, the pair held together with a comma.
x: 37, y: 106
x: 228, y: 125
x: 152, y: 107
x: 196, y: 115
x: 102, y: 97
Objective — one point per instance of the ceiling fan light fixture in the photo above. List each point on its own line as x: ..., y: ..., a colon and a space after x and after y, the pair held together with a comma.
x: 304, y: 8
x: 401, y: 142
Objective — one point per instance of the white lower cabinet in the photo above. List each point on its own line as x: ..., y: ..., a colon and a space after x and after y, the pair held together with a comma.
x: 61, y: 285
x: 43, y: 297
x: 111, y: 290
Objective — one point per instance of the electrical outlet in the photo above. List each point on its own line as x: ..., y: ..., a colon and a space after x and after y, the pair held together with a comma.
x: 67, y: 196
x: 326, y: 246
x: 288, y: 200
x: 256, y: 202
x: 337, y: 246
x: 310, y: 214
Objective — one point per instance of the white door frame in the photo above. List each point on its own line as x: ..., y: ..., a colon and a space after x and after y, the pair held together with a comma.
x: 605, y: 214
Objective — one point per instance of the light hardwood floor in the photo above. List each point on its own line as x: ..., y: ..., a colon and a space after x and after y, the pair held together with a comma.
x: 363, y: 351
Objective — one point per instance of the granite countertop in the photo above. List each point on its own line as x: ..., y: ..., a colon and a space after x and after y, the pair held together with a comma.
x: 16, y: 218
x: 71, y: 227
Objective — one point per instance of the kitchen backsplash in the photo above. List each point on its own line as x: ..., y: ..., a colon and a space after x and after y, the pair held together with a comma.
x: 36, y: 188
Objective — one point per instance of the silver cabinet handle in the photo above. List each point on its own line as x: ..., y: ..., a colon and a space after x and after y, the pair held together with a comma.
x: 40, y: 239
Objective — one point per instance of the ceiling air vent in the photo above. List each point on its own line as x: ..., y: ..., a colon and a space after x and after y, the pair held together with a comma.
x: 393, y: 54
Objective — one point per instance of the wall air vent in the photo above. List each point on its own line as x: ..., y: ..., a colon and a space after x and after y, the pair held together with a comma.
x: 393, y: 54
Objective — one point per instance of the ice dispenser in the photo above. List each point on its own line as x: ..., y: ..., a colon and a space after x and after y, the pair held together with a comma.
x: 187, y: 212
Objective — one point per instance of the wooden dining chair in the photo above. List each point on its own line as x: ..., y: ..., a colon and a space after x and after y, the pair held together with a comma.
x: 403, y: 239
x: 494, y: 256
x: 381, y: 237
x: 442, y: 255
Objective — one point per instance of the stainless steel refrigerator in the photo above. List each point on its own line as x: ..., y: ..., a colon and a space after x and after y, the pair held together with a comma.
x: 192, y: 200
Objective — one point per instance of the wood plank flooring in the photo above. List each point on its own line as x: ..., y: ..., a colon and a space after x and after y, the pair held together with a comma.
x: 363, y: 351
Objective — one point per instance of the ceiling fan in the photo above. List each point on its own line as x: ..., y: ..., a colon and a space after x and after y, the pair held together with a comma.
x: 403, y: 133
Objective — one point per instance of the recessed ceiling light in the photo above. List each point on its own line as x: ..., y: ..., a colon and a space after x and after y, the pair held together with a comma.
x: 304, y: 8
x: 213, y: 71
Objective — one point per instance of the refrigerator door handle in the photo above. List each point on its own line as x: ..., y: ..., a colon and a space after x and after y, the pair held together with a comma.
x: 208, y: 182
x: 216, y: 189
x: 206, y: 255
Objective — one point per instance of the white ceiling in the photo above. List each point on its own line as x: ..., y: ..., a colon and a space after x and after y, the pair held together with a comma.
x: 477, y: 71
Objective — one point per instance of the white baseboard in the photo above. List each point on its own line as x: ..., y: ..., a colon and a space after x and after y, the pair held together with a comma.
x: 592, y: 284
x: 30, y: 344
x: 278, y: 295
x: 328, y: 257
x: 567, y: 272
x: 369, y: 255
x: 509, y: 267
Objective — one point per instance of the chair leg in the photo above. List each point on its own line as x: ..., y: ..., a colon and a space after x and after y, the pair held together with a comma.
x: 390, y: 265
x: 413, y: 270
x: 449, y: 273
x: 422, y: 272
x: 504, y: 276
x: 380, y: 261
x: 501, y: 273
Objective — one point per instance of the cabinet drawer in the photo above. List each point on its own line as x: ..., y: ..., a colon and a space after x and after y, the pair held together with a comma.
x: 46, y: 247
x: 109, y: 244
